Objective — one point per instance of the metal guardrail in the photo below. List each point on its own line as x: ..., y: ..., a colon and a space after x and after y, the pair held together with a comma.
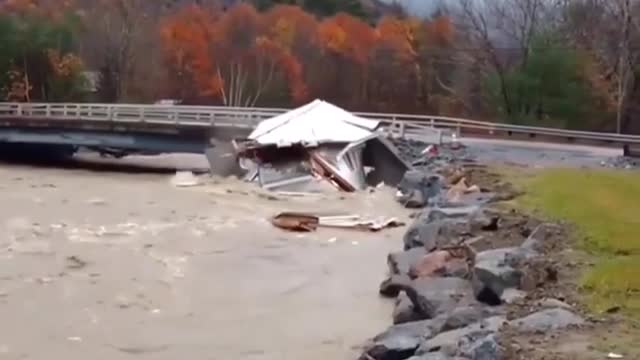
x: 208, y: 116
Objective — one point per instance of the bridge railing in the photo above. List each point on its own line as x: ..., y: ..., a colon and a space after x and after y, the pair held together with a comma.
x: 131, y: 113
x: 207, y: 116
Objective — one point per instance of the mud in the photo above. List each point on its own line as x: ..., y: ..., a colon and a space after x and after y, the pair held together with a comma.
x: 116, y: 265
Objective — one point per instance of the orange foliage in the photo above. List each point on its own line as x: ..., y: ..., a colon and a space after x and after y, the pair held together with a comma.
x: 64, y: 65
x: 217, y: 52
x: 290, y: 26
x: 186, y: 38
x: 400, y: 35
x: 348, y: 36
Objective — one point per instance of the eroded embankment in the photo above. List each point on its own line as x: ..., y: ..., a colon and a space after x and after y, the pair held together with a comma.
x: 475, y: 274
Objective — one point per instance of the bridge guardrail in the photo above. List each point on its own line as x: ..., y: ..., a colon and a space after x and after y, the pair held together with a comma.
x: 207, y: 116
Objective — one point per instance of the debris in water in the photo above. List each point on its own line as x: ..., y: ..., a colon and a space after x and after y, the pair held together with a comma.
x: 97, y: 201
x: 184, y: 179
x: 319, y: 144
x: 309, y: 222
x: 75, y: 263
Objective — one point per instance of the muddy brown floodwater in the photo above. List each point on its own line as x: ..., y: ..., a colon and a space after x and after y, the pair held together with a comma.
x: 108, y: 265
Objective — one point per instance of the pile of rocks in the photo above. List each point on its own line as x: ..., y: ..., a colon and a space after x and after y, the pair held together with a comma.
x: 416, y: 153
x: 452, y: 300
x: 622, y: 162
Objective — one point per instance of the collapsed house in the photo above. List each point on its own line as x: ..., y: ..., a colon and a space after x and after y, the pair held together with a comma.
x: 318, y: 144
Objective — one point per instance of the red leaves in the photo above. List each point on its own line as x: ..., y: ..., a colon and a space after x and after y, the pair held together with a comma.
x: 262, y: 52
x: 236, y: 48
x: 348, y: 36
x: 186, y: 38
x: 65, y: 65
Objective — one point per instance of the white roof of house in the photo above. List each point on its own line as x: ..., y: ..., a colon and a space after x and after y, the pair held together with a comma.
x: 314, y: 123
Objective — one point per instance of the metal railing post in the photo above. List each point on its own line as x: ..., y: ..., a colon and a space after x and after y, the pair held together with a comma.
x: 393, y: 126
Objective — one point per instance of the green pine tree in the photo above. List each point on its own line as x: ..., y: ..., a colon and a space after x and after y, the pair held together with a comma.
x: 548, y: 89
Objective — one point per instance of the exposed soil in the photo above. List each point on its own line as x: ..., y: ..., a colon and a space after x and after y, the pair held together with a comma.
x: 604, y: 333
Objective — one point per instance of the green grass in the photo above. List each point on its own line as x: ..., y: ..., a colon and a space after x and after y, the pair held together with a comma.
x: 605, y: 207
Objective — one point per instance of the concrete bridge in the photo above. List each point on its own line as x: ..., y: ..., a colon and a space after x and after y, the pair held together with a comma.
x: 120, y: 129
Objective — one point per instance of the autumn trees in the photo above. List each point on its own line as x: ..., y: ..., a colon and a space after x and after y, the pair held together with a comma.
x: 542, y: 62
x: 237, y: 57
x: 36, y: 58
x: 285, y: 55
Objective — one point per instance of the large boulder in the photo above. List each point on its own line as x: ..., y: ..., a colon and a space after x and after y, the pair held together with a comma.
x: 431, y: 264
x: 392, y: 286
x: 435, y: 296
x: 400, y: 263
x: 433, y: 234
x: 496, y: 277
x: 434, y: 228
x: 547, y: 320
x: 498, y: 270
x: 400, y: 342
x: 466, y: 315
x: 404, y: 312
x: 416, y: 188
x: 455, y: 341
x: 485, y: 348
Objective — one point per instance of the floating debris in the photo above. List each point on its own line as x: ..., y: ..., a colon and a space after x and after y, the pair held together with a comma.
x: 184, y: 179
x: 308, y: 222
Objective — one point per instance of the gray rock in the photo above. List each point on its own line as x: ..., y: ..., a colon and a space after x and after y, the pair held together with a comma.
x: 496, y: 277
x: 404, y: 311
x: 392, y: 286
x: 433, y: 234
x: 457, y: 268
x: 455, y: 211
x: 416, y: 188
x: 554, y: 304
x: 467, y: 315
x: 401, y: 262
x: 483, y: 221
x: 451, y: 342
x: 547, y: 320
x: 475, y: 198
x: 486, y: 348
x: 434, y: 296
x: 511, y: 296
x: 401, y: 341
x: 498, y: 270
x: 432, y: 356
x: 414, y: 199
x: 498, y: 255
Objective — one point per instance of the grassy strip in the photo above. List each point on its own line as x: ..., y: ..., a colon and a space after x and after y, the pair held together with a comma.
x: 605, y: 207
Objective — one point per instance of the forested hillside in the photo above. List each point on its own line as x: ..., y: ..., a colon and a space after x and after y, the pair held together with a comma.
x: 554, y: 63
